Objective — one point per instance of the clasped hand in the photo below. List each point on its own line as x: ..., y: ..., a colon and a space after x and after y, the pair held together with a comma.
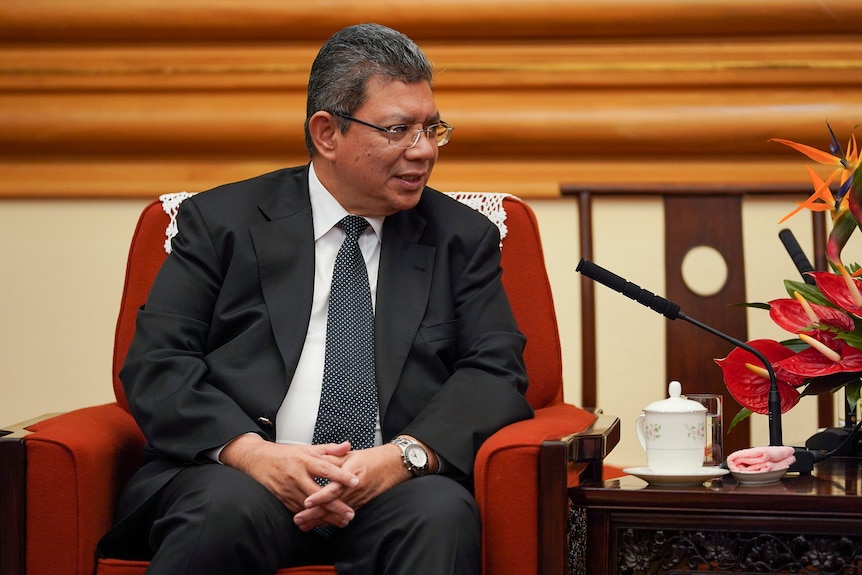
x: 288, y: 471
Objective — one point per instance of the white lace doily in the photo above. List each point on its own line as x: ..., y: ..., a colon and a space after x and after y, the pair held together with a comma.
x: 171, y: 205
x: 488, y: 204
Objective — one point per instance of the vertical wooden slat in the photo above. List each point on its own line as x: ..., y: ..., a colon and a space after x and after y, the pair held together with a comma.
x: 825, y: 405
x: 12, y: 502
x: 714, y: 221
x: 553, y: 510
x: 589, y: 391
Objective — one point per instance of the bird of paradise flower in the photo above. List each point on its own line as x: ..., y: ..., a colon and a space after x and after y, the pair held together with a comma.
x: 846, y: 205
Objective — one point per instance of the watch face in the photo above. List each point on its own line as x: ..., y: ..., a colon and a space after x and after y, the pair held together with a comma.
x: 416, y: 456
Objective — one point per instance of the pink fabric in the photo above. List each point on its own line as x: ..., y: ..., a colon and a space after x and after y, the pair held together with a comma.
x: 756, y: 459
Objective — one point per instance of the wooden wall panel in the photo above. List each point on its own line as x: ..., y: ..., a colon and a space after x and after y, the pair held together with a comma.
x: 255, y: 20
x: 140, y: 97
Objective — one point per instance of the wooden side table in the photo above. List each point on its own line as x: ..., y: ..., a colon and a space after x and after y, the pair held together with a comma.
x: 808, y: 524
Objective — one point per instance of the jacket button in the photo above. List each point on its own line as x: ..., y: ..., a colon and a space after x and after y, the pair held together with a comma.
x: 264, y: 422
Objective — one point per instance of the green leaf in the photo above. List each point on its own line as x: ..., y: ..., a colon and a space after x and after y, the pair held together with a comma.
x: 829, y: 383
x: 794, y: 344
x: 843, y: 227
x: 754, y: 304
x: 809, y: 292
x: 743, y: 414
x: 852, y: 390
x: 853, y: 338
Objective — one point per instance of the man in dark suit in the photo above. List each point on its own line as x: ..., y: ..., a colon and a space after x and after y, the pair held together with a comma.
x: 224, y: 374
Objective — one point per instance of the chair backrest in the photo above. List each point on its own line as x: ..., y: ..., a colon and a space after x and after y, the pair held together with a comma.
x: 524, y: 277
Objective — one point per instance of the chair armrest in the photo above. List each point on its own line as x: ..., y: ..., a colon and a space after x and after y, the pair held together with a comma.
x: 592, y: 445
x: 13, y: 505
x: 513, y: 493
x: 68, y: 472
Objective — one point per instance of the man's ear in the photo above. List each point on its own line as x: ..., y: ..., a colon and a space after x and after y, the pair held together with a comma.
x: 323, y: 129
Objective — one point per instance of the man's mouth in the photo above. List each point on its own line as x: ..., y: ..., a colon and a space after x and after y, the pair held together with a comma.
x: 411, y: 177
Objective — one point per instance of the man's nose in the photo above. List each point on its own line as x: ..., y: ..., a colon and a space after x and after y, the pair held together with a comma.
x: 424, y: 146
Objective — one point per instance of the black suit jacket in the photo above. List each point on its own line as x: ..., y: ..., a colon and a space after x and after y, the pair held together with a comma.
x: 220, y: 335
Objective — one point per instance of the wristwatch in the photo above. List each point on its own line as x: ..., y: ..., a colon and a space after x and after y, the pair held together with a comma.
x: 413, y: 456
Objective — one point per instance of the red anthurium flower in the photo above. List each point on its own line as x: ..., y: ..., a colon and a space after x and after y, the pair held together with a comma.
x: 836, y: 289
x: 812, y: 362
x: 792, y: 315
x: 747, y: 381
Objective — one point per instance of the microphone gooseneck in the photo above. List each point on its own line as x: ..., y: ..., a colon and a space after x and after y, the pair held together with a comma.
x: 672, y: 311
x: 773, y: 398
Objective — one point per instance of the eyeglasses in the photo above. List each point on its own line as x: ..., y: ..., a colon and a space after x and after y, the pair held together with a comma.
x: 402, y: 137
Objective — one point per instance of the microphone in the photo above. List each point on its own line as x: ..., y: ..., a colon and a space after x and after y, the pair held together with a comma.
x: 804, y: 458
x: 797, y: 255
x: 597, y: 273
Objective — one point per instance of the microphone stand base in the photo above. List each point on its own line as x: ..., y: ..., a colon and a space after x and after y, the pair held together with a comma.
x: 835, y: 438
x: 804, y: 463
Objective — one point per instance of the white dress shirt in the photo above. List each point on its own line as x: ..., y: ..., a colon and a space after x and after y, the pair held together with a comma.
x: 298, y: 412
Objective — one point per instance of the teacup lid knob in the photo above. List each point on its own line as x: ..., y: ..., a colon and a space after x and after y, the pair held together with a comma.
x: 675, y: 403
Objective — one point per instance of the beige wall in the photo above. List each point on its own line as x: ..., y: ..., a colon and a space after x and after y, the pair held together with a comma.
x: 63, y: 267
x: 63, y: 263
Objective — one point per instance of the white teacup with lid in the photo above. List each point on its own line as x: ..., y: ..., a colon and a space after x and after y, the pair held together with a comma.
x: 672, y: 432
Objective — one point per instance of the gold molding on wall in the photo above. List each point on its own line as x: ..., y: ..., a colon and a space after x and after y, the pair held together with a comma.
x: 450, y: 20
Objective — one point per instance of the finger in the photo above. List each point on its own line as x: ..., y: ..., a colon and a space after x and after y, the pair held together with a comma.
x: 311, y: 518
x: 324, y: 496
x: 333, y: 473
x: 329, y: 500
x: 334, y: 512
x: 338, y: 449
x: 306, y: 521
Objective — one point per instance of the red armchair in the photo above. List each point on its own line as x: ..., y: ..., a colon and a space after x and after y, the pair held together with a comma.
x: 60, y: 475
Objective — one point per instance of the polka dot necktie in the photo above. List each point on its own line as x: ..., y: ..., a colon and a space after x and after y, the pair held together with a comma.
x: 348, y: 400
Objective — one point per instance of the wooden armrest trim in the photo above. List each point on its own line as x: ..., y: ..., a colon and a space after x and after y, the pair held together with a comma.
x: 19, y: 430
x: 595, y: 442
x: 13, y: 485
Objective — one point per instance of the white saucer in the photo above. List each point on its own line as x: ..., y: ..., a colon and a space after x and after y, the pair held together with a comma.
x: 680, y: 480
x: 759, y: 477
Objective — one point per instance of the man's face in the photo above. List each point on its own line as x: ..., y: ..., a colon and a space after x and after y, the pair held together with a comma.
x: 376, y: 178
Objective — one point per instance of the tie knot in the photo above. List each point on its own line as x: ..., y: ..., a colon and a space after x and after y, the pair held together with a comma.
x: 353, y: 226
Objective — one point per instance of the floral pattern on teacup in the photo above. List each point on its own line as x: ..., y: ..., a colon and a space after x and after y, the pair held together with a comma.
x: 653, y: 431
x: 696, y: 431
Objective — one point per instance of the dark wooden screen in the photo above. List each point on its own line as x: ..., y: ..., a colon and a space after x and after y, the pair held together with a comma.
x: 694, y: 215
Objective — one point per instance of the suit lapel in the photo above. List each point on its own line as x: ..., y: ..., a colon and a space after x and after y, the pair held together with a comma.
x: 403, y: 288
x: 285, y: 253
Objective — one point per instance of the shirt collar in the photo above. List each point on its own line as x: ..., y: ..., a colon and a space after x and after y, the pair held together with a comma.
x: 326, y: 212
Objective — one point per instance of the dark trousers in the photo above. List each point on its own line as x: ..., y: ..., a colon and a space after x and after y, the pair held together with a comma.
x: 213, y: 519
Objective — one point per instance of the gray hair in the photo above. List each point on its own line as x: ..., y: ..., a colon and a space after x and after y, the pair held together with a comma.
x: 349, y: 58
